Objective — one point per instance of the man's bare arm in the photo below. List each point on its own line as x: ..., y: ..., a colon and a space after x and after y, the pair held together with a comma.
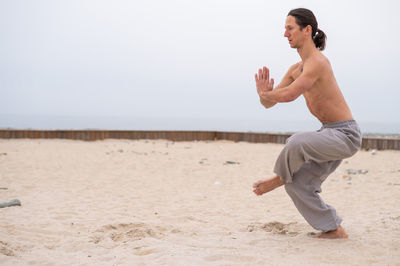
x: 288, y: 78
x: 291, y: 92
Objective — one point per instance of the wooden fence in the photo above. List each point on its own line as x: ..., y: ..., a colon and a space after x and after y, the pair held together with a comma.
x: 92, y: 135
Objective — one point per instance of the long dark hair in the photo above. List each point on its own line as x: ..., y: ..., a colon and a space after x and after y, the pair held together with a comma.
x: 305, y: 17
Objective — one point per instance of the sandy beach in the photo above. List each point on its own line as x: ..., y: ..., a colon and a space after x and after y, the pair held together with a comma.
x: 158, y: 202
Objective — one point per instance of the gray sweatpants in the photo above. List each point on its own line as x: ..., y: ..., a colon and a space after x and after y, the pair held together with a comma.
x: 306, y: 161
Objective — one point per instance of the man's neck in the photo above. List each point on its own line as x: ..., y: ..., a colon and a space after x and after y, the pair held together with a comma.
x: 307, y: 50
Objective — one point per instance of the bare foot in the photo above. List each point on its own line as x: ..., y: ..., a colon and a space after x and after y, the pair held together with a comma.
x: 334, y: 234
x: 264, y: 186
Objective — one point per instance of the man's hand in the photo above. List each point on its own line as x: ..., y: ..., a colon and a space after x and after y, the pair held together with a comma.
x: 263, y: 83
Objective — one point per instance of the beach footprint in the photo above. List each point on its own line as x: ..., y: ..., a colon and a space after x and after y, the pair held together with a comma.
x: 277, y: 228
x: 8, y: 249
x: 125, y: 232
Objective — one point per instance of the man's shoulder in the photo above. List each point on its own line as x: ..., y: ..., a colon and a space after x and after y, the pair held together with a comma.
x: 318, y: 62
x: 321, y: 59
x: 296, y: 65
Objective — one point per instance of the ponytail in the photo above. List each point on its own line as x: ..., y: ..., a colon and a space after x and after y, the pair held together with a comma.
x: 319, y: 39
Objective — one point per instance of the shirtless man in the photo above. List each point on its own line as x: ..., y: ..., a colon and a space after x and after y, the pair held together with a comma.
x: 309, y: 157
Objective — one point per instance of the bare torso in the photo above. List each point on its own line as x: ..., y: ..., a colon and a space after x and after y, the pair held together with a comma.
x: 324, y: 99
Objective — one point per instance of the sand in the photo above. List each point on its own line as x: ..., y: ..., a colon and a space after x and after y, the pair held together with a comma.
x: 157, y: 202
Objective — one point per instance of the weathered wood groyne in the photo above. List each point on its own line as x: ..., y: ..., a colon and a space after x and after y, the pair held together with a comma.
x: 92, y: 135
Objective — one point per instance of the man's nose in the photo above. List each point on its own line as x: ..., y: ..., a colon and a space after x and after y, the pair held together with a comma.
x: 286, y: 34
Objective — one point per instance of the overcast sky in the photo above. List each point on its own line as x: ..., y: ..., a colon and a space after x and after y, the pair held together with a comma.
x: 191, y: 59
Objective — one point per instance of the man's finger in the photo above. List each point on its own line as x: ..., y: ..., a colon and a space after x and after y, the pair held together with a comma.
x: 255, y: 184
x: 272, y: 83
x: 260, y: 74
x: 256, y: 77
x: 263, y: 71
x: 267, y: 74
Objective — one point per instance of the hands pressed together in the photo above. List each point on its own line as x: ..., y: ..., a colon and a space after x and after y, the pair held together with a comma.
x: 263, y: 83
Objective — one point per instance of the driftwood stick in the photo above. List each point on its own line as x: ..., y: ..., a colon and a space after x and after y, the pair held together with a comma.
x: 13, y: 202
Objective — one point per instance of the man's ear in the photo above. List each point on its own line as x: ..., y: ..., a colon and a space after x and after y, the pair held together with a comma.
x: 309, y: 29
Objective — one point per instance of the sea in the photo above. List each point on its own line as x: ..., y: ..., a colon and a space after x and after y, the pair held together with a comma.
x: 259, y: 125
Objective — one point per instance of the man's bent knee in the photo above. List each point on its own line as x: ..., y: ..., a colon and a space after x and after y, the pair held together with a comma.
x: 295, y: 143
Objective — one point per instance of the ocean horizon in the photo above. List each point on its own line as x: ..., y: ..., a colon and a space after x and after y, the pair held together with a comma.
x: 259, y: 125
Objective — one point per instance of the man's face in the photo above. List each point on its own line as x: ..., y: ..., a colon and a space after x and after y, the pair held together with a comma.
x: 293, y: 33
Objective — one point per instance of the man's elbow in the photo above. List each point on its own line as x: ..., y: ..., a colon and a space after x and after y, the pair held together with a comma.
x: 267, y: 104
